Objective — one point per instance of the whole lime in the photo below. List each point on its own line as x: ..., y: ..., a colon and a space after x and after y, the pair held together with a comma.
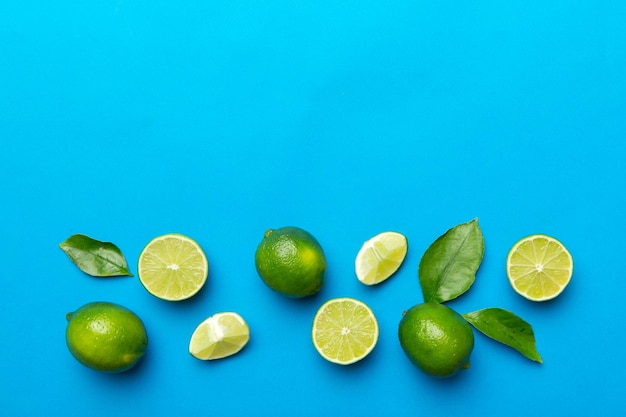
x: 291, y: 261
x: 436, y: 339
x: 106, y: 337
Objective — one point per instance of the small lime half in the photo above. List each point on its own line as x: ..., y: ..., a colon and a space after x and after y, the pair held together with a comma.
x: 539, y: 267
x: 344, y: 331
x: 173, y: 267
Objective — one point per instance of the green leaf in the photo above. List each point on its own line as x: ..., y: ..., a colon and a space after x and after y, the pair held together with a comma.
x: 98, y: 259
x: 448, y: 267
x: 505, y: 327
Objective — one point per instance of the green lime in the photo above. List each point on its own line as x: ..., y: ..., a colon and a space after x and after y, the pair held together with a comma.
x: 291, y: 261
x: 436, y: 339
x: 106, y: 337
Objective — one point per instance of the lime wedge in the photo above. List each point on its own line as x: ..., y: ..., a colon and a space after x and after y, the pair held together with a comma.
x: 173, y: 267
x: 539, y: 267
x: 380, y: 257
x: 345, y: 330
x: 219, y: 336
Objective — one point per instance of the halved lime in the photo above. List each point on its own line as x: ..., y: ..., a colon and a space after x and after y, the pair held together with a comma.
x: 173, y: 267
x: 345, y: 330
x: 219, y: 336
x: 539, y: 267
x: 380, y: 257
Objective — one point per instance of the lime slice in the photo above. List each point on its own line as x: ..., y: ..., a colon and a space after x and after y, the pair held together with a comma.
x: 345, y: 330
x: 380, y: 257
x: 219, y: 336
x: 539, y: 267
x: 173, y: 267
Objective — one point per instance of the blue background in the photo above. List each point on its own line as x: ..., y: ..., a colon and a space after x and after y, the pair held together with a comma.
x: 127, y: 119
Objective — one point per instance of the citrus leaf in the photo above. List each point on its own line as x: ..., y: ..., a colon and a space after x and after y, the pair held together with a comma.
x: 98, y: 259
x: 507, y: 328
x: 448, y: 267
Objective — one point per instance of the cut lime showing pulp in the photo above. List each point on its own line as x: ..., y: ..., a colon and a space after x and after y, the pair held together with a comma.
x: 539, y: 267
x: 345, y: 330
x: 380, y: 257
x: 219, y: 336
x: 173, y: 267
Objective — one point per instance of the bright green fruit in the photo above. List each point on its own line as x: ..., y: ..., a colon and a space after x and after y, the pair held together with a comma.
x: 106, y: 337
x: 344, y: 331
x: 173, y: 267
x: 291, y: 261
x: 539, y: 267
x: 436, y: 339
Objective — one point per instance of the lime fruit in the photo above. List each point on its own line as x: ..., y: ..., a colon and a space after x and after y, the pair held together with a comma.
x: 539, y: 267
x: 380, y: 257
x: 173, y: 267
x: 436, y: 339
x: 219, y: 336
x: 106, y: 337
x: 291, y: 261
x: 344, y: 331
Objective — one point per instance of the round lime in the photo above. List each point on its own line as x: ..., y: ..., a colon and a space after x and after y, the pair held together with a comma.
x: 106, y: 337
x: 436, y: 339
x: 291, y: 261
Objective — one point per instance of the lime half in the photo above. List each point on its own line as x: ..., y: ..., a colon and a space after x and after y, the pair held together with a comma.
x: 173, y: 267
x: 345, y: 330
x: 539, y: 267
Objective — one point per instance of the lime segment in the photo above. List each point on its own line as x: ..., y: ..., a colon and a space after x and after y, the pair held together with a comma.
x: 539, y: 267
x: 219, y: 336
x: 173, y: 267
x: 345, y: 330
x: 380, y: 257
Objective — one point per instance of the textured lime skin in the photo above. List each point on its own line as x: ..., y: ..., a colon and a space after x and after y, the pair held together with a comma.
x: 106, y: 337
x: 436, y: 339
x: 291, y: 261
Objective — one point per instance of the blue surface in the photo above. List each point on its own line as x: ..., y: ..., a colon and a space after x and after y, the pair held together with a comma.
x: 127, y: 119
